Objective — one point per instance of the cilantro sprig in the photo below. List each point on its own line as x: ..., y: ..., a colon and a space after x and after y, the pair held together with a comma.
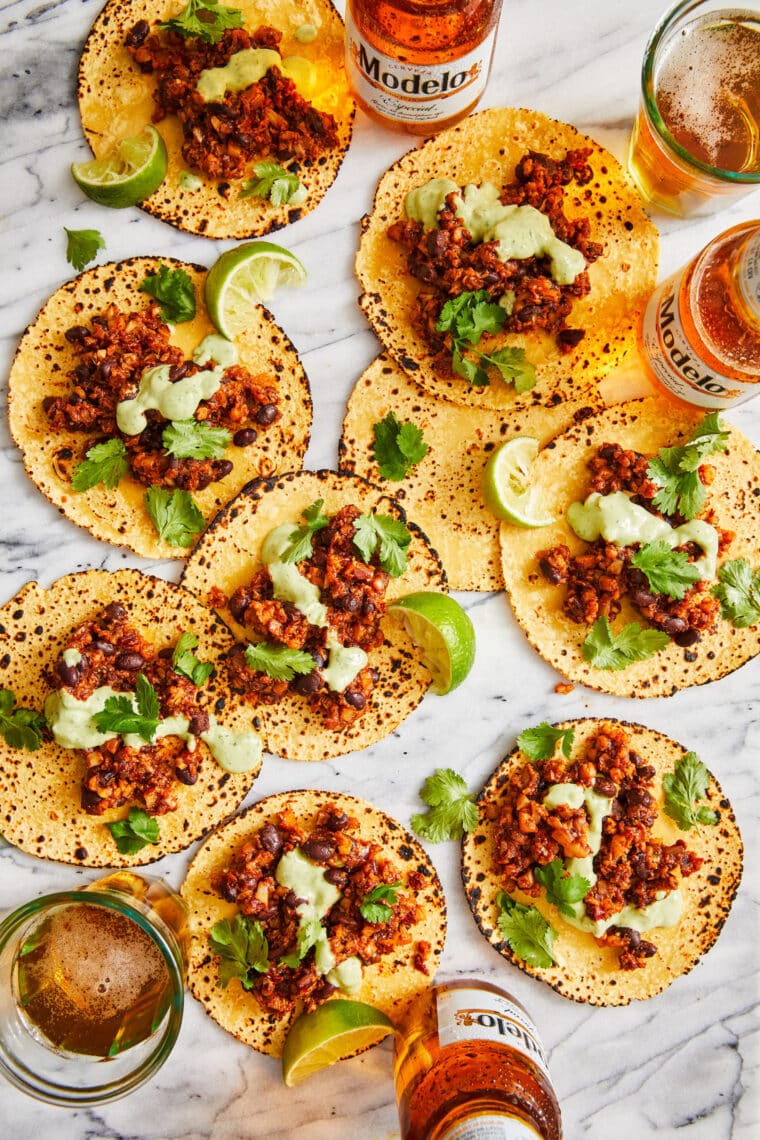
x: 243, y: 949
x: 738, y: 591
x: 138, y: 830
x: 82, y: 247
x: 377, y: 904
x: 675, y: 470
x: 687, y: 783
x: 309, y: 934
x: 466, y: 318
x: 174, y: 291
x: 397, y: 447
x: 190, y: 439
x: 186, y: 663
x: 561, y: 888
x: 386, y: 535
x: 123, y: 714
x: 539, y: 743
x: 278, y: 661
x: 206, y: 19
x: 608, y: 650
x: 452, y: 810
x: 20, y: 727
x: 272, y: 181
x: 105, y: 463
x: 526, y: 930
x: 666, y: 570
x: 175, y: 515
x: 301, y: 538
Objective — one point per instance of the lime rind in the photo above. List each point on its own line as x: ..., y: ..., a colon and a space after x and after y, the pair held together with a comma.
x: 245, y: 276
x: 509, y: 489
x: 444, y: 633
x: 338, y: 1029
x: 129, y: 174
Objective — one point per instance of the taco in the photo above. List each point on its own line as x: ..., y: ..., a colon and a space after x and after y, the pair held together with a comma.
x: 506, y: 261
x: 117, y: 721
x: 377, y: 936
x: 326, y: 669
x: 100, y: 349
x: 286, y: 109
x: 443, y: 491
x: 605, y: 867
x: 663, y: 589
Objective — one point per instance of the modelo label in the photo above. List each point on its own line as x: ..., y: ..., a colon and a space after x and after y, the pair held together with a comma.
x: 478, y: 1015
x: 490, y: 1126
x: 673, y: 360
x: 410, y: 93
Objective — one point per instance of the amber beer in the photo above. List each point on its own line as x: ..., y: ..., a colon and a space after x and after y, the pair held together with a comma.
x: 469, y: 1065
x: 696, y: 140
x: 419, y: 65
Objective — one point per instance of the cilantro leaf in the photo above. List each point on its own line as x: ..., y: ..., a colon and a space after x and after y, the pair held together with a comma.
x: 526, y: 930
x: 310, y: 932
x: 138, y: 830
x: 124, y: 714
x: 452, y: 811
x: 470, y: 315
x: 377, y: 904
x: 666, y: 570
x: 398, y: 446
x: 186, y: 663
x: 82, y: 247
x: 206, y: 19
x: 466, y: 318
x: 387, y: 533
x: 606, y: 650
x: 539, y: 743
x: 174, y: 291
x: 175, y: 515
x: 513, y: 367
x: 738, y: 592
x: 278, y: 661
x: 686, y: 784
x: 561, y: 889
x: 272, y: 181
x: 20, y: 727
x: 243, y: 949
x: 105, y: 463
x: 676, y: 469
x: 301, y: 545
x: 189, y: 439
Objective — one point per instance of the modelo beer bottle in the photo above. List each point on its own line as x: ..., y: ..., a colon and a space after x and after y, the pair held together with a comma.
x: 469, y: 1065
x: 419, y: 65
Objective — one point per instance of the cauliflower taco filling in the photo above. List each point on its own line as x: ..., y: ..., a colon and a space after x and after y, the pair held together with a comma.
x: 316, y: 906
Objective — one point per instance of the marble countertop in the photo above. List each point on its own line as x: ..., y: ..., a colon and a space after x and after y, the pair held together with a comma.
x: 682, y: 1066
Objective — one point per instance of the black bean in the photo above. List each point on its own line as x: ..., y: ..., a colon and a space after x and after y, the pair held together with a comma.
x: 185, y: 776
x: 69, y: 674
x: 266, y: 415
x: 270, y: 839
x: 243, y: 140
x: 138, y: 34
x: 687, y: 638
x: 337, y: 822
x: 77, y: 334
x: 674, y: 625
x: 238, y: 606
x: 223, y: 467
x: 104, y: 368
x: 130, y: 662
x: 307, y: 683
x: 221, y: 110
x: 604, y: 786
x: 104, y: 647
x: 245, y: 437
x: 549, y: 572
x: 318, y: 850
x: 320, y: 658
x: 355, y: 700
x: 114, y: 611
x: 337, y: 877
x: 178, y: 371
x: 91, y: 801
x: 230, y: 891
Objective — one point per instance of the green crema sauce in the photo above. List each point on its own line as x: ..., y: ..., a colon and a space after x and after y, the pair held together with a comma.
x: 249, y: 66
x: 616, y: 519
x: 664, y: 911
x: 520, y: 231
x: 72, y: 725
x: 305, y: 34
x: 189, y: 181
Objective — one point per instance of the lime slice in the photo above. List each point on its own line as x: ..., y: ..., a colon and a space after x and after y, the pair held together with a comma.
x: 507, y: 485
x: 335, y: 1030
x: 243, y: 276
x: 126, y: 176
x: 442, y: 630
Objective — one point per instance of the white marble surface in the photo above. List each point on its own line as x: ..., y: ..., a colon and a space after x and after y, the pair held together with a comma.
x: 682, y: 1066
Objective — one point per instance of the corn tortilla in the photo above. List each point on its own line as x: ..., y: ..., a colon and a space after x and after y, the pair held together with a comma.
x: 40, y: 792
x: 588, y: 972
x: 486, y: 147
x: 44, y: 357
x: 116, y: 102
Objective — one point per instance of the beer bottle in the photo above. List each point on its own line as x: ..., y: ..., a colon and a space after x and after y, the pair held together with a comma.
x: 469, y: 1066
x: 699, y: 341
x: 419, y: 65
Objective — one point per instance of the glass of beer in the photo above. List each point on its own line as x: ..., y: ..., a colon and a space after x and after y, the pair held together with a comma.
x: 91, y: 989
x: 695, y: 144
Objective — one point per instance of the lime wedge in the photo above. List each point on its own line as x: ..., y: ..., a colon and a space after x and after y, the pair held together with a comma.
x: 507, y: 485
x: 243, y: 276
x: 438, y: 626
x: 332, y: 1032
x: 126, y: 176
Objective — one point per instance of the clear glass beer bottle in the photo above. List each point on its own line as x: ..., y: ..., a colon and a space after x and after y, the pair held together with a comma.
x: 469, y: 1065
x: 419, y: 65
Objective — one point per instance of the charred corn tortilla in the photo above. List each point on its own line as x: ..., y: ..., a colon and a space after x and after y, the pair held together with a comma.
x: 486, y: 147
x: 228, y: 555
x: 40, y: 792
x: 560, y: 471
x: 389, y: 984
x: 44, y: 357
x: 443, y: 491
x: 589, y: 972
x: 116, y: 102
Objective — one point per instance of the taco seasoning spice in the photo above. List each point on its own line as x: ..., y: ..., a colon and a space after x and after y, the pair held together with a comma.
x: 469, y: 1065
x: 419, y: 65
